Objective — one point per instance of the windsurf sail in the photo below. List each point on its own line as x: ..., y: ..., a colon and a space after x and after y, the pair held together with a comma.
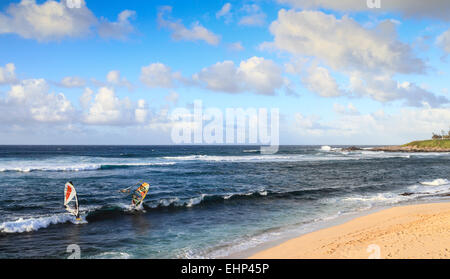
x: 139, y: 194
x: 71, y: 199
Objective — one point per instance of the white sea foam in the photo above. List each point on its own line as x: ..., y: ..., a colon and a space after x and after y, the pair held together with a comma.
x: 113, y: 255
x: 436, y: 182
x: 79, y: 167
x: 190, y: 202
x: 377, y: 198
x: 168, y: 202
x: 325, y: 148
x: 33, y: 224
x: 321, y: 156
x: 195, y: 201
x: 76, y: 164
x: 436, y: 186
x: 258, y: 158
x: 214, y: 158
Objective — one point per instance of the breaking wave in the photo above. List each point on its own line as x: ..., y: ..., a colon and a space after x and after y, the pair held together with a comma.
x: 33, y: 224
x: 389, y: 198
x: 81, y: 167
x: 436, y: 187
x: 326, y: 153
x: 436, y: 182
x: 178, y: 202
x: 330, y: 156
x: 94, y: 213
x: 325, y: 148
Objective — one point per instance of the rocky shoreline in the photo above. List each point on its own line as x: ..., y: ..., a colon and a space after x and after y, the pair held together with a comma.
x: 399, y: 148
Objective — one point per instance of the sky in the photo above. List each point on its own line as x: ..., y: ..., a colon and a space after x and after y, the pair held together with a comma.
x: 112, y: 72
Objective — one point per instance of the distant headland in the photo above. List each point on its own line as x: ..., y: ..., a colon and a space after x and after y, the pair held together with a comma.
x: 437, y: 143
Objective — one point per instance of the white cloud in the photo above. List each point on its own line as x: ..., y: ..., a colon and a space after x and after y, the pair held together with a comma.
x: 369, y: 57
x: 254, y: 16
x: 319, y: 81
x: 384, y: 89
x: 444, y: 41
x: 108, y: 109
x: 306, y: 122
x: 225, y: 12
x: 30, y: 101
x: 308, y: 125
x: 221, y: 76
x: 410, y: 8
x: 172, y: 97
x: 237, y: 46
x: 180, y: 32
x: 378, y: 127
x: 350, y: 109
x: 260, y: 75
x: 343, y: 44
x: 50, y: 20
x: 71, y: 82
x: 7, y: 74
x: 86, y: 97
x: 159, y: 75
x: 256, y: 74
x: 114, y: 78
x: 141, y: 111
x: 119, y: 29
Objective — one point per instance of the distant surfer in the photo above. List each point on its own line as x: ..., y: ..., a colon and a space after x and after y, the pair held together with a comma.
x: 126, y: 190
x: 71, y: 200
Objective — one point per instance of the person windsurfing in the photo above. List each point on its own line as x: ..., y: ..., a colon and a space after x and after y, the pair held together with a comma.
x: 139, y: 195
x: 71, y: 200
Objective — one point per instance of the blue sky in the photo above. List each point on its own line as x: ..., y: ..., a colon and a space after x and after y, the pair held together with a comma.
x: 110, y: 72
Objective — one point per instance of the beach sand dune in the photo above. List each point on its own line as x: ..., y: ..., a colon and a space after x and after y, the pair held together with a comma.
x: 405, y: 232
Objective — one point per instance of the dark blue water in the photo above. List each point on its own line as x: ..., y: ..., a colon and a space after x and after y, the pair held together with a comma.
x: 204, y: 201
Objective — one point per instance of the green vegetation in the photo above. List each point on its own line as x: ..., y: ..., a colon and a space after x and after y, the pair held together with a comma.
x: 441, y: 140
x: 437, y: 143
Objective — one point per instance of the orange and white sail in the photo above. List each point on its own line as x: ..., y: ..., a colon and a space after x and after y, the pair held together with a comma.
x: 71, y: 199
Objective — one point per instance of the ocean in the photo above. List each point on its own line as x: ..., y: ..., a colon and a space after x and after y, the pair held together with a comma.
x: 204, y: 201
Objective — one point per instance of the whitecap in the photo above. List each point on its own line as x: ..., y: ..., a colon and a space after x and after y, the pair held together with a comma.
x: 436, y: 182
x: 33, y: 224
x: 325, y: 148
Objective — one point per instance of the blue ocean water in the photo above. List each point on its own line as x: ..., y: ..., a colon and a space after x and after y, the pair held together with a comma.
x: 204, y: 201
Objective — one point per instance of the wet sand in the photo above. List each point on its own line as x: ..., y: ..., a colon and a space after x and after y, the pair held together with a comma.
x: 405, y: 232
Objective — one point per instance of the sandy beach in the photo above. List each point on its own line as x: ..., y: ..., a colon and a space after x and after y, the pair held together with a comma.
x: 405, y: 232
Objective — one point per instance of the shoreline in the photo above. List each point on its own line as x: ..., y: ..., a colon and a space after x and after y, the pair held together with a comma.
x: 404, y: 231
x: 418, y: 230
x: 295, y: 231
x: 399, y: 148
x: 409, y: 149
